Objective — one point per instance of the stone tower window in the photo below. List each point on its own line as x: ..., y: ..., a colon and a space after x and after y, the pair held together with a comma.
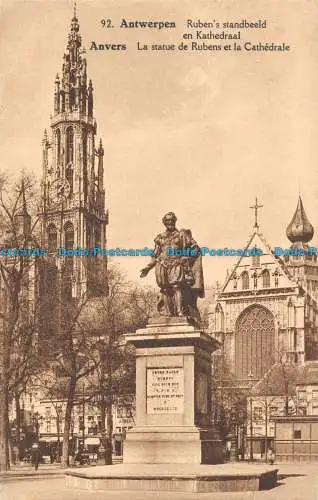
x: 84, y: 143
x: 245, y: 281
x: 97, y: 236
x: 266, y: 279
x: 254, y: 342
x: 69, y: 145
x: 58, y: 146
x: 69, y: 176
x: 68, y: 244
x: 68, y: 235
x: 52, y: 238
x: 255, y: 260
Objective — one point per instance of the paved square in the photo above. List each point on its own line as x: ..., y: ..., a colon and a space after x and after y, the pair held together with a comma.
x: 297, y: 482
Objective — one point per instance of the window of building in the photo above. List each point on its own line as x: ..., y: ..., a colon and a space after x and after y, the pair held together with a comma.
x: 97, y: 233
x: 302, y: 410
x: 85, y: 180
x: 99, y: 423
x: 254, y: 342
x: 122, y: 412
x: 69, y: 145
x: 72, y: 97
x: 302, y: 397
x: 245, y: 280
x: 273, y: 411
x: 91, y: 425
x: 255, y: 278
x: 69, y: 176
x: 257, y: 413
x: 80, y: 422
x: 59, y: 412
x: 68, y: 235
x: 266, y: 278
x: 68, y: 267
x: 314, y: 401
x: 58, y: 146
x: 52, y: 238
x: 48, y: 426
x: 234, y: 282
x: 297, y: 434
x: 255, y: 260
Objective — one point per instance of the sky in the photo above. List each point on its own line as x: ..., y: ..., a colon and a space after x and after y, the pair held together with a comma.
x: 198, y: 133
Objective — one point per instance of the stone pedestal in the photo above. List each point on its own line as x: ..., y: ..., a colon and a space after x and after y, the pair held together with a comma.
x: 173, y: 396
x: 173, y: 441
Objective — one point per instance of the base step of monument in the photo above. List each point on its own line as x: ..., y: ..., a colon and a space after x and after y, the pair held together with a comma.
x: 173, y: 477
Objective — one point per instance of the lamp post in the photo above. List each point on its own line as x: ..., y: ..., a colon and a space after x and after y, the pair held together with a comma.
x: 266, y: 429
x: 58, y: 430
x: 250, y: 376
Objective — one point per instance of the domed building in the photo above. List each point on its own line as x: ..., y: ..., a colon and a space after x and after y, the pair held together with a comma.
x: 267, y: 309
x: 265, y: 317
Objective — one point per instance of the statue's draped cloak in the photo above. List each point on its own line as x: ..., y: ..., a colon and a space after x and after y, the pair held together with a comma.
x: 170, y: 269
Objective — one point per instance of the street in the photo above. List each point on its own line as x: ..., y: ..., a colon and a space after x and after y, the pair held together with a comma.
x: 296, y: 482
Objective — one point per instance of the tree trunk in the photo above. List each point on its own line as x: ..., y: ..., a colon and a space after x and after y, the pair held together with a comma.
x: 10, y: 450
x: 103, y: 426
x: 109, y: 405
x: 58, y: 431
x: 67, y: 422
x: 109, y: 434
x: 4, y: 404
x: 4, y: 410
x: 18, y: 423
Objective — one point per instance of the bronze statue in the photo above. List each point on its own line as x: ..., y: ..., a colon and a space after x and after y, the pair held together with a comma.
x: 178, y: 268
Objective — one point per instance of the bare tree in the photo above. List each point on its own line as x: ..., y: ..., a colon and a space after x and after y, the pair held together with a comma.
x: 124, y: 309
x: 229, y: 401
x: 17, y: 330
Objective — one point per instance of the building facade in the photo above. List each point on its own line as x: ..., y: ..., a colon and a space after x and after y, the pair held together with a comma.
x: 267, y: 309
x: 265, y: 318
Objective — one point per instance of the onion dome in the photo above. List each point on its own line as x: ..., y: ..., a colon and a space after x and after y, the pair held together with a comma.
x: 300, y: 229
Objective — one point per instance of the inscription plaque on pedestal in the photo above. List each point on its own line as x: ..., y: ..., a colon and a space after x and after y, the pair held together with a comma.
x: 165, y: 390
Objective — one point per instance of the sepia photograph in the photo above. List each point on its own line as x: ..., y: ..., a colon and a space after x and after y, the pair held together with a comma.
x: 158, y: 251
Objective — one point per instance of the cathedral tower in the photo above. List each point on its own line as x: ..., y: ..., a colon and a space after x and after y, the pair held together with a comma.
x: 73, y: 213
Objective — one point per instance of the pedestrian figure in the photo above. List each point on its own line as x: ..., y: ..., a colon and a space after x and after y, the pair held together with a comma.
x: 271, y: 456
x: 35, y: 455
x: 52, y: 455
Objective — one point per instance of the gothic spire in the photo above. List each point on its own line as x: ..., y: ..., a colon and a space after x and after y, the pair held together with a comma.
x: 300, y: 229
x: 71, y: 90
